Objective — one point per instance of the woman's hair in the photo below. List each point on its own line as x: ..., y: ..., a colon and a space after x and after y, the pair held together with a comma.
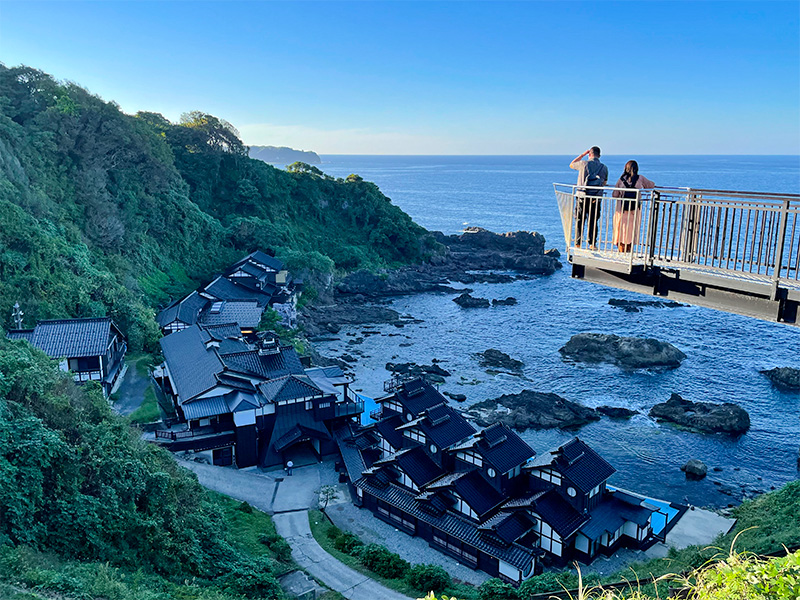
x: 631, y: 170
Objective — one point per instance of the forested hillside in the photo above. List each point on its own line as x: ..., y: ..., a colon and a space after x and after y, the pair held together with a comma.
x: 107, y: 213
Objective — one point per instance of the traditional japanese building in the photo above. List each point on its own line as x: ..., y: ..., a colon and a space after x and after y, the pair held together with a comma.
x: 252, y: 403
x: 483, y: 496
x: 91, y: 349
x: 240, y: 295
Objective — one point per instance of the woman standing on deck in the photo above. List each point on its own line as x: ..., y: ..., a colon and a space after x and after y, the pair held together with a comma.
x: 628, y: 212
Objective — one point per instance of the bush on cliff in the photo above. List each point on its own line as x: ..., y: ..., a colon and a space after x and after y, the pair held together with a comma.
x: 427, y: 578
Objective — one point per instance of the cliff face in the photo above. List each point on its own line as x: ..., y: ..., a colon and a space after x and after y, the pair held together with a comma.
x: 281, y: 155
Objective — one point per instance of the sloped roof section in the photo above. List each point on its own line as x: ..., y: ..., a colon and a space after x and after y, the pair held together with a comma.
x: 71, y: 338
x: 262, y: 258
x: 185, y: 310
x: 418, y: 395
x: 559, y: 514
x: 444, y: 426
x: 245, y: 313
x: 502, y: 448
x: 192, y: 367
x: 477, y: 492
x: 224, y: 289
x: 289, y: 387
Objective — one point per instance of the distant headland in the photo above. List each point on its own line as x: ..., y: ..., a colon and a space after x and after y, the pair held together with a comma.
x: 283, y: 155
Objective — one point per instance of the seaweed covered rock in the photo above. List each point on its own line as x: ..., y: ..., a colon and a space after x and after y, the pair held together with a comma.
x: 531, y: 410
x: 495, y: 359
x: 706, y: 417
x: 625, y: 352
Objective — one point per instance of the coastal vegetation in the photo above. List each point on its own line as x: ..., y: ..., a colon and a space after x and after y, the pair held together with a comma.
x: 104, y: 213
x: 88, y: 509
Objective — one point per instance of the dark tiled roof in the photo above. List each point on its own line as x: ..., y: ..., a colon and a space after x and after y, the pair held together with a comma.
x: 262, y: 258
x: 502, y: 448
x: 224, y: 289
x: 185, y: 310
x: 462, y: 529
x: 444, y: 426
x: 611, y: 514
x: 245, y: 313
x: 192, y: 367
x: 418, y: 466
x: 268, y: 366
x: 417, y: 395
x: 288, y: 431
x: 205, y: 407
x: 289, y: 387
x: 559, y: 514
x: 20, y: 334
x: 477, y: 492
x: 580, y: 464
x: 352, y: 457
x: 71, y: 338
x: 222, y: 331
x: 388, y: 429
x: 509, y: 527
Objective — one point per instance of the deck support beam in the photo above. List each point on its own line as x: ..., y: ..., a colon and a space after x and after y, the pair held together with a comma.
x: 752, y: 299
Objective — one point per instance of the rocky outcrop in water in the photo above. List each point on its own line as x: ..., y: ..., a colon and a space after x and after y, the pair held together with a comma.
x: 616, y: 412
x: 695, y: 469
x: 706, y: 417
x: 467, y: 301
x: 510, y: 301
x: 626, y: 352
x: 531, y: 410
x: 784, y: 377
x: 495, y: 359
x: 433, y: 373
x: 638, y: 305
x: 473, y: 256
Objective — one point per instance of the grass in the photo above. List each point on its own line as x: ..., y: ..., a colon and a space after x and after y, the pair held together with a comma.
x: 247, y: 527
x: 148, y: 411
x: 320, y: 525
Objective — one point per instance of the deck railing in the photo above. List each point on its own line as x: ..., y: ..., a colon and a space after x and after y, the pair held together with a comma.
x: 740, y: 233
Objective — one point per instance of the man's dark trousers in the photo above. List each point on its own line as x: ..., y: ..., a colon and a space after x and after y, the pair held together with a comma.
x: 587, y: 211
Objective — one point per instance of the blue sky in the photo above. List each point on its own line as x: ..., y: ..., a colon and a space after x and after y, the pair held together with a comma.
x: 439, y: 77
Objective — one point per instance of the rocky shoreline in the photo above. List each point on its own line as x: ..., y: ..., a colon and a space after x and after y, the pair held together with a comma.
x: 705, y: 417
x: 625, y: 352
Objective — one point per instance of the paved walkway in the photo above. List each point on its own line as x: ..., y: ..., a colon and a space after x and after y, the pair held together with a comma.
x: 288, y: 500
x: 294, y: 528
x: 131, y: 388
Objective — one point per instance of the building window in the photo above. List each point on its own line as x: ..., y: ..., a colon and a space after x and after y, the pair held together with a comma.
x: 465, y: 508
x: 470, y: 457
x: 433, y: 449
x: 455, y: 547
x: 571, y: 492
x: 415, y: 434
x: 548, y: 475
x: 491, y: 472
x: 324, y: 404
x: 406, y: 481
x: 595, y: 491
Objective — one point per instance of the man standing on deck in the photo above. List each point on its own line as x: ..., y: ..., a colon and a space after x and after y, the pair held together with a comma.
x: 591, y: 172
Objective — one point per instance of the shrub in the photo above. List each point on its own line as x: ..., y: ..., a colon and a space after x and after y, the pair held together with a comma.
x: 429, y: 578
x: 245, y: 508
x: 381, y: 561
x: 268, y: 538
x: 347, y: 542
x: 494, y: 589
x: 333, y: 532
x: 252, y: 578
x: 282, y: 550
x: 548, y: 582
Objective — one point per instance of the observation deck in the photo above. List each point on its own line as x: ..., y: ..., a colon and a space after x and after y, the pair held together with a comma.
x: 733, y: 251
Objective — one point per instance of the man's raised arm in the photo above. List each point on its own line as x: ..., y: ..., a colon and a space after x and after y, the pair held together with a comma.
x: 576, y: 160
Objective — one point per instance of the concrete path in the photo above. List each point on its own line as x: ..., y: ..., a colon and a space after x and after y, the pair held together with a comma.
x: 294, y: 528
x: 288, y: 500
x: 131, y: 389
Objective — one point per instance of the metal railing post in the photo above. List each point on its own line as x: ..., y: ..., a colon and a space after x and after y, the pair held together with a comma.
x: 776, y: 274
x: 652, y: 220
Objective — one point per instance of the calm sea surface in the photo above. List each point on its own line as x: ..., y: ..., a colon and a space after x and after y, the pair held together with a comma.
x: 725, y: 352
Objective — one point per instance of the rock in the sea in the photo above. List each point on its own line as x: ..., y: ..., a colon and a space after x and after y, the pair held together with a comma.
x: 638, y: 305
x: 784, y: 377
x: 534, y: 410
x: 433, y: 373
x: 456, y: 397
x: 467, y: 301
x: 510, y: 301
x: 553, y: 253
x: 703, y: 416
x: 695, y: 469
x: 616, y: 412
x: 494, y: 359
x: 626, y: 352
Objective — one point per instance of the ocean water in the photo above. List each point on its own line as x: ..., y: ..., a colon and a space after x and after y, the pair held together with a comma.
x: 724, y: 352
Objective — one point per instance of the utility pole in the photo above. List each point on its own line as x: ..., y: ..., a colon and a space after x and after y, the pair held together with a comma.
x: 16, y: 314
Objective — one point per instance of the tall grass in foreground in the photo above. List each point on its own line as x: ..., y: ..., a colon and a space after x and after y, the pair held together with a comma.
x: 741, y: 576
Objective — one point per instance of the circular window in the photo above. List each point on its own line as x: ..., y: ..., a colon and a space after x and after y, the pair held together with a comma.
x: 528, y: 569
x: 434, y: 449
x: 571, y: 491
x: 408, y: 416
x: 491, y: 472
